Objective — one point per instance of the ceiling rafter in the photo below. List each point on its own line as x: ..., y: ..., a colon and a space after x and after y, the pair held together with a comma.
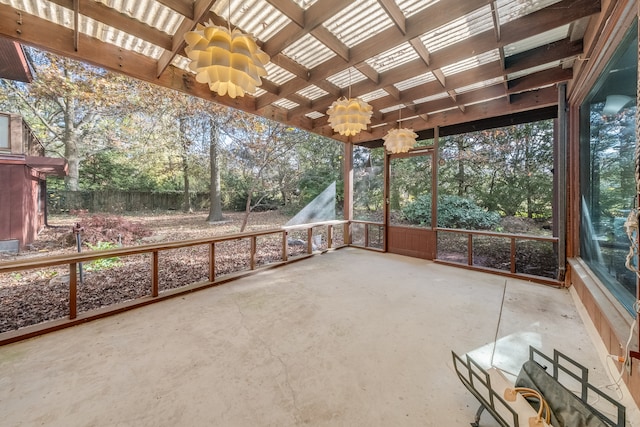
x: 395, y: 14
x: 183, y: 7
x: 474, y: 45
x: 201, y: 10
x: 120, y: 21
x: 385, y: 40
x: 459, y: 95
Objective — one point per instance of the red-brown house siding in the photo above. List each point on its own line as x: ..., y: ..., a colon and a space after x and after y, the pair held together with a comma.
x: 20, y: 216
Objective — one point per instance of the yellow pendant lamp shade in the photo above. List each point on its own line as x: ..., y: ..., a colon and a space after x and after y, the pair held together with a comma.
x: 349, y: 116
x: 230, y: 62
x: 400, y: 140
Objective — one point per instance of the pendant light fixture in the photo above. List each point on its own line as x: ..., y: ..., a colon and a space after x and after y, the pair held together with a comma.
x: 400, y: 140
x: 230, y: 62
x: 349, y: 116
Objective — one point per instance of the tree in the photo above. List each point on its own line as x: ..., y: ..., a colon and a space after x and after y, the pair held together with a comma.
x: 258, y: 145
x: 70, y: 106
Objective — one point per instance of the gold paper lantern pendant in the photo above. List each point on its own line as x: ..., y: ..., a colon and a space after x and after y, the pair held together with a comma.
x: 230, y: 62
x: 400, y: 140
x: 349, y: 116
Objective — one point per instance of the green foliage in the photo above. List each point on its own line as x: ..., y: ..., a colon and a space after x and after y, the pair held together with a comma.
x: 507, y: 169
x: 453, y: 212
x: 103, y: 263
x: 112, y: 169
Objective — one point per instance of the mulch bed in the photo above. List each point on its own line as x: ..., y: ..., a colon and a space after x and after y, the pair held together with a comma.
x: 31, y: 297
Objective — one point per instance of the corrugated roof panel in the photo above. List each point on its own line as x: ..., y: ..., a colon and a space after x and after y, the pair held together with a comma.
x: 182, y: 63
x: 470, y: 63
x: 458, y: 30
x: 45, y: 10
x: 393, y: 58
x: 286, y: 103
x: 119, y: 38
x: 150, y: 12
x: 358, y: 21
x: 308, y: 51
x: 431, y: 98
x: 415, y: 81
x: 508, y: 10
x: 532, y: 70
x: 376, y: 94
x: 346, y: 77
x: 259, y: 92
x: 479, y: 85
x: 256, y: 17
x: 312, y: 92
x: 277, y: 75
x: 392, y: 108
x: 314, y: 115
x: 537, y: 40
x: 411, y: 7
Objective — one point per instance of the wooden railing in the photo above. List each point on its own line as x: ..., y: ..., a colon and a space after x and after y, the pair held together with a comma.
x: 511, y: 263
x: 304, y: 248
x: 367, y: 234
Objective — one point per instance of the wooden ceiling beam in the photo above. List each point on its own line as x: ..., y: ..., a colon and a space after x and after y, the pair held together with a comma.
x: 499, y: 107
x: 201, y: 9
x: 120, y: 21
x: 332, y: 42
x: 555, y: 51
x: 417, y: 25
x: 395, y: 14
x: 290, y: 9
x: 484, y: 42
x: 55, y: 38
x: 540, y: 79
x: 368, y: 71
x: 313, y: 18
x: 183, y: 7
x: 421, y: 50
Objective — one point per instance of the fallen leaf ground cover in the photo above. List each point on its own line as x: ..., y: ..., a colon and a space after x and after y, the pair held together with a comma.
x: 35, y: 296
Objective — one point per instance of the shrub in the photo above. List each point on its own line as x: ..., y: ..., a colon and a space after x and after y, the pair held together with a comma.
x: 103, y: 263
x: 453, y: 212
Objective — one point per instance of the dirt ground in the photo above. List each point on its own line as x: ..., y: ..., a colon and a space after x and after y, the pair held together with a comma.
x: 31, y: 297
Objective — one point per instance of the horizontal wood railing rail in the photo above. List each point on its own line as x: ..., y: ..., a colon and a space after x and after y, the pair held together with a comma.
x: 74, y: 260
x: 513, y: 253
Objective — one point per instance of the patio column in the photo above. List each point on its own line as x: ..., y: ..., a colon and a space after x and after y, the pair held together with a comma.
x: 560, y: 180
x: 348, y: 190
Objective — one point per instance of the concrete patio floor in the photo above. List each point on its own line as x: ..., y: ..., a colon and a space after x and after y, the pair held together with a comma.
x: 348, y: 338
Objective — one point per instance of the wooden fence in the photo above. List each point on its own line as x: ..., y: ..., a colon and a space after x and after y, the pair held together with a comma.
x: 120, y: 201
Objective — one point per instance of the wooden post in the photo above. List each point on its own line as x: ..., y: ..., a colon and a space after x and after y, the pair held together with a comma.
x: 212, y: 262
x: 513, y: 254
x: 252, y: 262
x: 470, y: 249
x: 329, y: 236
x: 385, y: 196
x: 155, y: 281
x: 366, y: 235
x: 73, y: 290
x: 309, y: 238
x: 285, y: 246
x: 348, y: 190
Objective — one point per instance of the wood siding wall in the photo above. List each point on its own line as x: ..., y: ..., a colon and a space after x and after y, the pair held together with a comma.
x: 20, y: 217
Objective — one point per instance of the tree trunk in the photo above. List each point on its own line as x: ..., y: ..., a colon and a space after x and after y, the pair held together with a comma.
x: 215, y: 210
x: 247, y: 209
x: 186, y: 205
x: 185, y: 173
x: 460, y: 177
x: 70, y: 140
